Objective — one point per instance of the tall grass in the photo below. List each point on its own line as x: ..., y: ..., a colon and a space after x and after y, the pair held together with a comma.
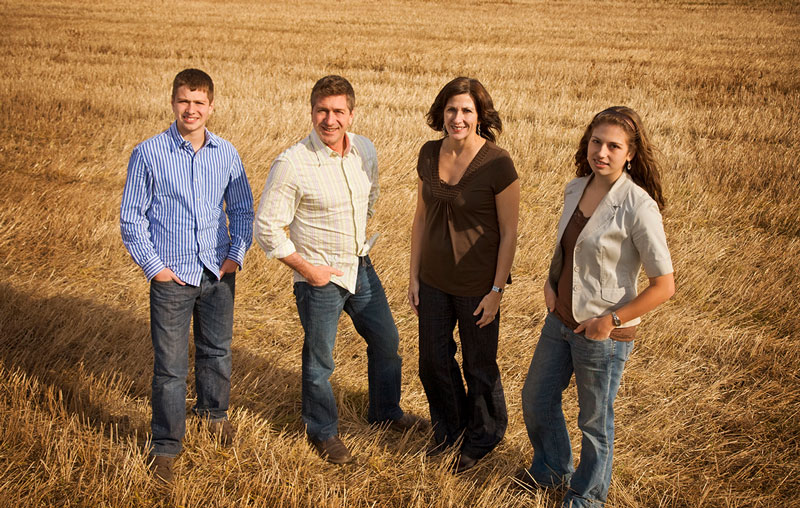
x: 709, y: 409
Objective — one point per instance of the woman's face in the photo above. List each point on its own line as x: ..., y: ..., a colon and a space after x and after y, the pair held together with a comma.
x: 608, y: 150
x: 460, y: 117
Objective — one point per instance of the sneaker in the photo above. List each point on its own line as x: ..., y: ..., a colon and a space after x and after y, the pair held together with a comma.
x: 407, y: 422
x: 161, y: 467
x: 332, y: 450
x: 223, y: 431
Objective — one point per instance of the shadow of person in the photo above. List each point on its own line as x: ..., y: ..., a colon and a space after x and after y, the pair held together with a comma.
x: 100, y: 359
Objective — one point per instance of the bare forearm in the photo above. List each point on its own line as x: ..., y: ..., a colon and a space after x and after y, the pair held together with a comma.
x: 417, y: 232
x: 416, y: 247
x: 297, y: 263
x: 659, y: 291
x: 316, y: 275
x: 505, y: 258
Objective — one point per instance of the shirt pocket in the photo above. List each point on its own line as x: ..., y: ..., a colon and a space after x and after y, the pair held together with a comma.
x: 612, y: 295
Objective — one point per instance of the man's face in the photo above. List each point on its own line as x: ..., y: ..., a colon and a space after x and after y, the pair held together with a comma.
x: 192, y: 109
x: 331, y: 118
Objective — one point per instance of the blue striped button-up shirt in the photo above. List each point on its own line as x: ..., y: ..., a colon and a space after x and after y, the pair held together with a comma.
x: 172, y: 212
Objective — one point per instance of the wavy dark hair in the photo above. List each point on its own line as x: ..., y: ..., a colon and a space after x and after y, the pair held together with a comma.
x: 644, y: 168
x: 490, y: 124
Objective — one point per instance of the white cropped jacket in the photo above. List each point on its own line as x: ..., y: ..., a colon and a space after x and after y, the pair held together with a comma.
x: 624, y: 233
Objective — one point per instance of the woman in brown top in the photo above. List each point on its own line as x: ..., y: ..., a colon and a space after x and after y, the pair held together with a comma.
x: 463, y: 240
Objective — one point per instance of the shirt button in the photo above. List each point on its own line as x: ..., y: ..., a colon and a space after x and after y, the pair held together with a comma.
x: 577, y: 249
x: 575, y: 288
x: 576, y: 269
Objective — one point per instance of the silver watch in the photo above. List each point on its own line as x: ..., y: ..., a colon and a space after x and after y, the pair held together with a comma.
x: 615, y: 319
x: 497, y: 289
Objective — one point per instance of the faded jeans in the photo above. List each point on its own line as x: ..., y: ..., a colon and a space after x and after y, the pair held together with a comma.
x: 598, y: 367
x: 172, y: 309
x: 319, y: 309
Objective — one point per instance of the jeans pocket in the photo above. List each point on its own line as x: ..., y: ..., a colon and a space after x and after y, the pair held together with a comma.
x: 622, y: 350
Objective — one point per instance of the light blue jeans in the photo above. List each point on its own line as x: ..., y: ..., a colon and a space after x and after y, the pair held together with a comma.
x: 172, y: 309
x: 598, y: 367
x: 319, y: 309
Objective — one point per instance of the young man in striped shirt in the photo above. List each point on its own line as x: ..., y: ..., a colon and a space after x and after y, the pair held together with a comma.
x: 324, y: 188
x: 183, y: 187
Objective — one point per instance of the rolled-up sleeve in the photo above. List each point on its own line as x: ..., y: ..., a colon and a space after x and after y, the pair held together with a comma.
x: 276, y: 210
x: 137, y: 197
x: 650, y: 240
x: 239, y: 207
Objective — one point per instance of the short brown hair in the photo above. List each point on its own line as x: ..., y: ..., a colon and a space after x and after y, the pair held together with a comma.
x: 333, y: 85
x: 193, y: 79
x: 488, y: 117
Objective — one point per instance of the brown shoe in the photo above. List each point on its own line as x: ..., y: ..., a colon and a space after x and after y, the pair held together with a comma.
x: 223, y: 431
x: 161, y: 467
x: 332, y: 450
x: 409, y: 421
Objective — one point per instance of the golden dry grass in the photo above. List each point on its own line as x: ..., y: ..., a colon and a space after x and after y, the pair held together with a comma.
x: 709, y: 409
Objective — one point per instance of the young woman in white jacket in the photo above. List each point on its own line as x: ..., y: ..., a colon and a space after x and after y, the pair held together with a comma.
x: 609, y: 229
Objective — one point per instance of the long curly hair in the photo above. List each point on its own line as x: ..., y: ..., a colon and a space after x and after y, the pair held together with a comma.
x: 489, y: 118
x: 644, y: 167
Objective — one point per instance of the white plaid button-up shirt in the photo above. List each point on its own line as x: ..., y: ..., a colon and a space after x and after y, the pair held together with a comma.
x: 325, y: 200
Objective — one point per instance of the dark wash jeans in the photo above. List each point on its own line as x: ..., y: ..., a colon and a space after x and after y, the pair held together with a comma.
x: 598, y: 367
x: 319, y: 309
x: 172, y: 309
x: 479, y: 413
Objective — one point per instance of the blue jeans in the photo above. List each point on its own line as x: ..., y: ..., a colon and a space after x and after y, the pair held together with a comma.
x: 319, y: 309
x: 597, y: 366
x: 479, y: 413
x: 172, y: 308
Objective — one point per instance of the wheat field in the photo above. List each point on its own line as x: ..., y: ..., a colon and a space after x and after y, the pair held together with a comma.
x: 708, y: 413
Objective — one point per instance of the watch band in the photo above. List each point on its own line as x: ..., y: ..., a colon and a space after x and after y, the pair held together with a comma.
x: 615, y: 319
x: 497, y: 289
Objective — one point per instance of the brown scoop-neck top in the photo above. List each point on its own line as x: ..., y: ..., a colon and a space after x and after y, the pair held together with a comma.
x: 461, y: 232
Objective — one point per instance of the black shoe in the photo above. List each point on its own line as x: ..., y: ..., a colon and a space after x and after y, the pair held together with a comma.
x: 465, y: 462
x: 435, y: 449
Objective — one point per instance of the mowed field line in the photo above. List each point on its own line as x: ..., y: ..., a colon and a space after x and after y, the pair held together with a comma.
x: 709, y: 408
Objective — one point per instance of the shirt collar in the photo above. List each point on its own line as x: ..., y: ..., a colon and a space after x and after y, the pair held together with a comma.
x: 178, y: 141
x: 324, y: 150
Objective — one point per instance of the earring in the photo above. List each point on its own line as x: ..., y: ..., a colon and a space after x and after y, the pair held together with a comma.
x: 629, y: 166
x: 479, y: 129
